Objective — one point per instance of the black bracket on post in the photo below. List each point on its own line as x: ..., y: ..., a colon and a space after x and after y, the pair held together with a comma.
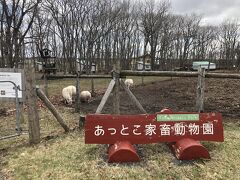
x: 115, y: 75
x: 47, y: 67
x: 45, y: 53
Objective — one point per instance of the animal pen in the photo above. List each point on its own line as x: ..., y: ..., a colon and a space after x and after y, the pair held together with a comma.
x: 125, y: 145
x: 184, y: 147
x: 100, y: 129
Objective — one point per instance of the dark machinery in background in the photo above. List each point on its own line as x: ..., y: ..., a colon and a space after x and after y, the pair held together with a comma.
x: 49, y: 63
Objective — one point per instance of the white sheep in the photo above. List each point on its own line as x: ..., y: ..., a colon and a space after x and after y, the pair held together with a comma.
x: 68, y: 93
x: 129, y: 83
x: 85, y: 96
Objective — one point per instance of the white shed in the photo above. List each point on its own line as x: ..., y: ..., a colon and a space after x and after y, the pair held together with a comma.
x: 203, y: 64
x: 39, y: 66
x: 140, y: 66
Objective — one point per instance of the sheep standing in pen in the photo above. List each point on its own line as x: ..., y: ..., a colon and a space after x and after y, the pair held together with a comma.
x: 85, y: 96
x: 128, y: 83
x: 68, y: 93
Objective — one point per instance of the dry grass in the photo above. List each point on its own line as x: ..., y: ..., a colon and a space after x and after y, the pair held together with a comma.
x: 65, y: 156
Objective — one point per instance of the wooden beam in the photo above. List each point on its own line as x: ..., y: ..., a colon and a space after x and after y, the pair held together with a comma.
x: 125, y: 73
x: 133, y: 98
x: 116, y: 90
x: 222, y: 75
x: 158, y: 73
x: 80, y: 76
x: 51, y: 107
x: 105, y: 97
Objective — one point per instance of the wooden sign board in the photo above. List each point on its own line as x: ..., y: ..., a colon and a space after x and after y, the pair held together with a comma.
x: 7, y: 90
x: 145, y: 128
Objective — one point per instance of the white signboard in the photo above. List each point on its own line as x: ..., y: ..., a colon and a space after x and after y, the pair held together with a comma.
x: 6, y: 88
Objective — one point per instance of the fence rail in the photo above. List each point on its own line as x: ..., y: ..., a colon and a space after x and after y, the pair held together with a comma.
x: 81, y: 76
x: 177, y: 74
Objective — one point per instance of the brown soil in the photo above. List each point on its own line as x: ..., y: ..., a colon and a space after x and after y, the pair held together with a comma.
x: 179, y: 94
x: 221, y: 95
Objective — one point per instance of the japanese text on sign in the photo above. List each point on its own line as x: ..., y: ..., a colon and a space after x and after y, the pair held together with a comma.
x: 145, y: 129
x: 150, y: 130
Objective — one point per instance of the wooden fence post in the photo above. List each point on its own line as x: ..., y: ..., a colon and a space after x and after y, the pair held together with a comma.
x: 31, y: 97
x: 45, y: 81
x: 142, y: 80
x: 92, y: 87
x: 105, y: 97
x: 77, y: 100
x: 116, y: 90
x: 200, y: 90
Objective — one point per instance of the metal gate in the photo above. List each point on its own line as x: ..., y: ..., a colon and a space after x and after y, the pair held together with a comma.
x: 9, y: 128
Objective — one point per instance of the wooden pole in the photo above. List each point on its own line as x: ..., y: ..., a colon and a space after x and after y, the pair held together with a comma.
x: 100, y: 76
x: 51, y: 107
x: 125, y: 73
x: 142, y: 80
x: 105, y: 97
x: 92, y: 82
x: 92, y: 86
x: 200, y: 90
x: 45, y: 81
x: 158, y: 73
x: 77, y: 100
x: 116, y: 90
x: 31, y: 97
x: 133, y: 98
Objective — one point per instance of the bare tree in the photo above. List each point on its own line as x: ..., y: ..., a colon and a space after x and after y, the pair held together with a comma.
x: 228, y: 37
x: 17, y: 18
x: 167, y: 41
x: 189, y: 28
x: 205, y: 37
x: 152, y: 18
x: 100, y: 31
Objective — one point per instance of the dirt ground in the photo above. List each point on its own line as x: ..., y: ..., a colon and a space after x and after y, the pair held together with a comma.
x: 179, y: 94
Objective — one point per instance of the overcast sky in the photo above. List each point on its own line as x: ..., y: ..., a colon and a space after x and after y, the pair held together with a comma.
x: 213, y: 11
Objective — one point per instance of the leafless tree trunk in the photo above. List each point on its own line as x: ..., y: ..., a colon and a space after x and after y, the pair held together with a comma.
x: 15, y: 14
